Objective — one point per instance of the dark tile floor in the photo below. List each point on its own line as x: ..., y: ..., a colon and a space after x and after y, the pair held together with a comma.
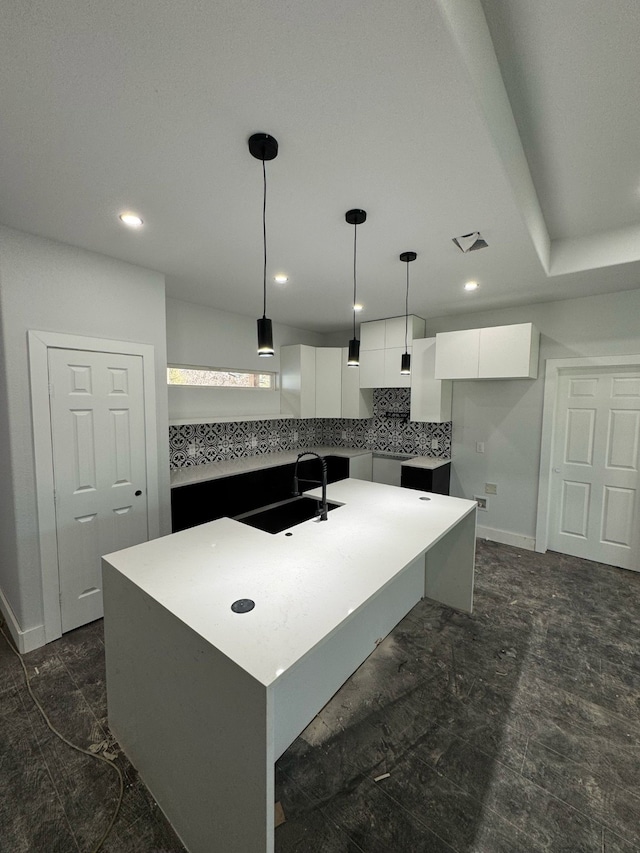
x: 515, y: 730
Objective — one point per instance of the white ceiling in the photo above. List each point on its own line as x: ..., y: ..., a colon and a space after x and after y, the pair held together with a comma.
x: 435, y: 123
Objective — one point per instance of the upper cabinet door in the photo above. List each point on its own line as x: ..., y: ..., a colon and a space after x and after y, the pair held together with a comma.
x: 394, y: 332
x: 357, y: 402
x: 430, y: 397
x: 372, y: 335
x: 457, y: 354
x: 392, y: 363
x: 509, y: 352
x: 371, y: 368
x: 298, y: 380
x: 328, y: 382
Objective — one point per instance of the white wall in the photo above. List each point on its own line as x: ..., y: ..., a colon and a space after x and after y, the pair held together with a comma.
x: 507, y: 415
x: 201, y: 336
x: 50, y: 286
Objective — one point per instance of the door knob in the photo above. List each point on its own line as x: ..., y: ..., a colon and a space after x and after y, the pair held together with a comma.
x: 556, y: 470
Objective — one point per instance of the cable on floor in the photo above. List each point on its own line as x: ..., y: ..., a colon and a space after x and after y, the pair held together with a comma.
x: 68, y: 742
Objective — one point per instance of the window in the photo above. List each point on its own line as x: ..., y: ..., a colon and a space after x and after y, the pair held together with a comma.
x: 214, y: 377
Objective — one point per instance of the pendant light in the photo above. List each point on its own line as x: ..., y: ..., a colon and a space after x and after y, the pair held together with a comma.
x: 354, y: 217
x: 264, y: 147
x: 405, y: 367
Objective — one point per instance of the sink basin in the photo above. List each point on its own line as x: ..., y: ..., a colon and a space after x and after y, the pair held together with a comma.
x: 279, y: 517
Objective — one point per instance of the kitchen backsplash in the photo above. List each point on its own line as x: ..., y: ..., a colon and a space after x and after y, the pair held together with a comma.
x: 197, y: 444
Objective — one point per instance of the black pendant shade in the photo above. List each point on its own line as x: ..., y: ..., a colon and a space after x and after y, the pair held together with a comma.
x: 265, y: 337
x: 405, y: 365
x: 353, y: 359
x: 264, y: 147
x: 355, y: 217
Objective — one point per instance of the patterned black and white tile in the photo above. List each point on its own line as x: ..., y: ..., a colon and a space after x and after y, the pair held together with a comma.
x: 388, y: 430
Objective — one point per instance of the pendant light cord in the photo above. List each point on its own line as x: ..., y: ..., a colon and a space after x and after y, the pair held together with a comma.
x: 406, y: 313
x: 355, y: 254
x: 264, y: 237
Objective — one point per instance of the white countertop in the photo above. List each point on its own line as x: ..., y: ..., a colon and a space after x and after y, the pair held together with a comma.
x: 229, y: 467
x: 304, y: 586
x: 426, y: 462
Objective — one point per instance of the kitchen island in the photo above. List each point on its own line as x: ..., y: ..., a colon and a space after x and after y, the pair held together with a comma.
x: 203, y: 700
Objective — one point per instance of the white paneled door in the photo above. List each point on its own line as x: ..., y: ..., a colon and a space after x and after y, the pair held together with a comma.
x: 594, y: 510
x: 98, y: 439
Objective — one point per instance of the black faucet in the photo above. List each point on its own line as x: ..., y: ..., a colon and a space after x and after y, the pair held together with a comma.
x: 323, y: 510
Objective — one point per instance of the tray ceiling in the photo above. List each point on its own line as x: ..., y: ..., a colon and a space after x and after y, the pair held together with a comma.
x: 439, y: 118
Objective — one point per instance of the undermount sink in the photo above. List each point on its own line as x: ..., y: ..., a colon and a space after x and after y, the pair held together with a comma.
x: 279, y: 517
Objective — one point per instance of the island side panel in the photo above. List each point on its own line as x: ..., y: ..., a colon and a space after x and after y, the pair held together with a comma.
x: 194, y: 724
x: 301, y: 692
x: 449, y: 566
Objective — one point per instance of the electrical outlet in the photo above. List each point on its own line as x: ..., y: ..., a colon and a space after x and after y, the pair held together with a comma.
x: 435, y: 444
x: 254, y: 441
x: 490, y: 489
x: 192, y: 450
x: 295, y: 435
x: 344, y: 434
x: 481, y: 501
x: 479, y: 446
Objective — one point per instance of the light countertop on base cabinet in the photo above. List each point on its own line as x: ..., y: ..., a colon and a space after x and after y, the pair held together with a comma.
x: 226, y: 693
x: 231, y: 467
x: 427, y: 475
x: 426, y: 462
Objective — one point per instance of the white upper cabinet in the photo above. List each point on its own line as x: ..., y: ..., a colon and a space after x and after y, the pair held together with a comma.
x: 357, y: 402
x: 510, y: 351
x: 497, y: 352
x: 372, y: 335
x: 371, y: 370
x: 315, y: 382
x: 457, y: 354
x: 298, y: 380
x: 382, y: 344
x: 392, y: 378
x: 328, y: 382
x: 394, y: 331
x: 430, y: 397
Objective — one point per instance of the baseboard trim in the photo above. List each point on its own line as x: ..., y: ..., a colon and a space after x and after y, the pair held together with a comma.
x: 26, y: 641
x: 504, y: 537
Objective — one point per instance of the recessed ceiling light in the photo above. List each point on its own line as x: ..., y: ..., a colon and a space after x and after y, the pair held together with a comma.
x: 281, y: 278
x: 471, y: 285
x: 358, y: 307
x: 132, y: 220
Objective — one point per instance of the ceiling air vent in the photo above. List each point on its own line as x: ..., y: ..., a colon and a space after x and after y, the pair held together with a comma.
x: 470, y: 242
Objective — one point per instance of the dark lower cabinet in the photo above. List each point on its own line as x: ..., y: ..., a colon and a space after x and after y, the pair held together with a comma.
x: 425, y: 479
x: 198, y: 503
